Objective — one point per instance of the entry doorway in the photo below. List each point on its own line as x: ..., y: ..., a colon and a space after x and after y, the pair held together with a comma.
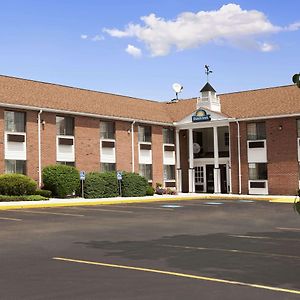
x: 204, y: 178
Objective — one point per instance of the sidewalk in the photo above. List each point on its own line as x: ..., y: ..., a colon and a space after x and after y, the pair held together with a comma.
x: 54, y: 202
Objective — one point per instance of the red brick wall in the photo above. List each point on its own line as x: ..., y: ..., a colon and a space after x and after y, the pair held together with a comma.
x: 2, y: 125
x: 123, y: 146
x: 282, y: 156
x: 48, y: 137
x: 234, y: 157
x: 32, y: 144
x: 157, y: 154
x: 87, y: 144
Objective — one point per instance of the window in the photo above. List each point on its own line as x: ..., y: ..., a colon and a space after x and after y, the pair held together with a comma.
x: 146, y: 171
x: 14, y: 121
x: 107, y: 130
x: 258, y: 171
x: 256, y: 131
x: 15, y: 166
x: 168, y: 135
x: 144, y: 134
x: 226, y: 138
x: 169, y: 172
x: 298, y: 128
x: 66, y: 163
x: 64, y: 125
x: 108, y: 167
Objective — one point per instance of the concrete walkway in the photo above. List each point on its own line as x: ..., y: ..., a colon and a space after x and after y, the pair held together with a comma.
x: 54, y: 202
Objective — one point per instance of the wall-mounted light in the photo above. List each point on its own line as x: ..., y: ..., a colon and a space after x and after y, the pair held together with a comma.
x: 280, y: 127
x: 43, y: 124
x: 129, y: 131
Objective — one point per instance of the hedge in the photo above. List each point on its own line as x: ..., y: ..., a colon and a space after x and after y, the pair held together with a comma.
x: 44, y: 193
x: 61, y: 180
x: 101, y: 185
x: 4, y: 198
x: 16, y: 185
x: 134, y: 185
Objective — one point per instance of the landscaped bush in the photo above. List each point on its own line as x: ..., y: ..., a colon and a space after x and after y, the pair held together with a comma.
x: 16, y: 185
x: 101, y: 185
x: 44, y: 193
x: 134, y: 185
x: 61, y: 180
x: 150, y: 191
x: 4, y: 198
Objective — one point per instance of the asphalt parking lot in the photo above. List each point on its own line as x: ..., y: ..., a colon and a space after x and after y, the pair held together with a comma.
x: 183, y: 250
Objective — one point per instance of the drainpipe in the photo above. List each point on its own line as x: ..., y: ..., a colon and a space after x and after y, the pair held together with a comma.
x: 132, y: 145
x: 39, y: 148
x: 239, y: 157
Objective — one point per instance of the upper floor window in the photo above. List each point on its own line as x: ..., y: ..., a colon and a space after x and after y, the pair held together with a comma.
x: 145, y: 134
x: 14, y: 121
x: 258, y: 171
x: 107, y: 130
x: 64, y: 125
x: 256, y: 131
x: 168, y: 135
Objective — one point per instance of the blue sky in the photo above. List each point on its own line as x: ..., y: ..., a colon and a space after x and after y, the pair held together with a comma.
x: 248, y: 44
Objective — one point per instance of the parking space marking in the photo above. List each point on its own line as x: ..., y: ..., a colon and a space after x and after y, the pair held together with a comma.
x: 103, y: 209
x: 184, y: 275
x: 45, y: 212
x: 289, y: 229
x: 144, y: 207
x: 262, y: 237
x: 10, y: 219
x: 231, y: 251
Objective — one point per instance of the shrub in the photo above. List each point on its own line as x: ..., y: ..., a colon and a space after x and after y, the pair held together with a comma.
x: 101, y: 185
x: 134, y: 185
x: 44, y: 193
x: 150, y: 191
x: 4, y: 198
x: 16, y: 185
x: 61, y: 180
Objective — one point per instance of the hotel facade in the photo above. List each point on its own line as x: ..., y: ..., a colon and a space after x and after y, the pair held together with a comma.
x: 243, y: 142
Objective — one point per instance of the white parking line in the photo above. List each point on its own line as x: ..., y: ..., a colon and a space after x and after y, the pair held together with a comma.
x: 262, y: 237
x: 143, y: 207
x: 289, y: 229
x: 232, y: 251
x: 103, y: 209
x: 10, y: 219
x: 45, y: 212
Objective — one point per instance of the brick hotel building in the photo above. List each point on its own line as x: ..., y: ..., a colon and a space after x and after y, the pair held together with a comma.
x: 243, y: 142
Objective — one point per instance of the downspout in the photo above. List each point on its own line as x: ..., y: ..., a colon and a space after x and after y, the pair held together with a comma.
x: 132, y: 145
x: 39, y: 149
x: 239, y: 157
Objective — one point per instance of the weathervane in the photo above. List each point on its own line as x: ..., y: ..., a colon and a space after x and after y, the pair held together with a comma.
x: 207, y: 71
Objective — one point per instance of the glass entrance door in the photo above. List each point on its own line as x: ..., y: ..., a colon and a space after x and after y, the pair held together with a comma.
x: 210, y: 179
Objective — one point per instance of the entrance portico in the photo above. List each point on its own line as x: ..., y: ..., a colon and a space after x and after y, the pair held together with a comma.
x: 202, y: 144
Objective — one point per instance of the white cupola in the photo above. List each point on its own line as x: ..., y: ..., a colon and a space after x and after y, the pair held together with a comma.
x: 208, y: 99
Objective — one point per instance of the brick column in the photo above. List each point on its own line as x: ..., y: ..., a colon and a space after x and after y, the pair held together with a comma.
x: 157, y: 154
x: 2, y: 129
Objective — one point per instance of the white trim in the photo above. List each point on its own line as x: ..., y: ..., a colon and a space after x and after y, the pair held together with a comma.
x: 265, y: 117
x: 39, y: 149
x: 59, y: 111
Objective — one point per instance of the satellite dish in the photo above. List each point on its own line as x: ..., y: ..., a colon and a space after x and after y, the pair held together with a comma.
x: 177, y: 87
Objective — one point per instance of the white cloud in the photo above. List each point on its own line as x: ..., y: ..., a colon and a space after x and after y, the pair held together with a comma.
x: 97, y: 38
x: 267, y: 47
x: 229, y: 24
x: 84, y: 36
x: 134, y: 51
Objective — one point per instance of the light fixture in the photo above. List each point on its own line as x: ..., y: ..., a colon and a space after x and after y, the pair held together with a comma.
x: 280, y: 127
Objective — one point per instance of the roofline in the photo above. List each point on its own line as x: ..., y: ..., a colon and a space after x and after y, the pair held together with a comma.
x: 258, y: 89
x: 266, y: 117
x: 78, y: 88
x: 60, y: 111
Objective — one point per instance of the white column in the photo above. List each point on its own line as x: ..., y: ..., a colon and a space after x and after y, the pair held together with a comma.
x: 178, y: 169
x: 191, y: 163
x: 217, y: 177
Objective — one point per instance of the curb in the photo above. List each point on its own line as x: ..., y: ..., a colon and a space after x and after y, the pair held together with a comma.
x: 139, y: 200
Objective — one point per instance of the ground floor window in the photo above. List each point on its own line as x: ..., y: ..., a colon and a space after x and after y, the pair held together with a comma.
x: 258, y: 171
x: 66, y: 163
x: 108, y: 167
x: 146, y: 171
x: 15, y: 166
x: 169, y: 172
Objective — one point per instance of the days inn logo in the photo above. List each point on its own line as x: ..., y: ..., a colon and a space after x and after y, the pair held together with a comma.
x: 201, y: 116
